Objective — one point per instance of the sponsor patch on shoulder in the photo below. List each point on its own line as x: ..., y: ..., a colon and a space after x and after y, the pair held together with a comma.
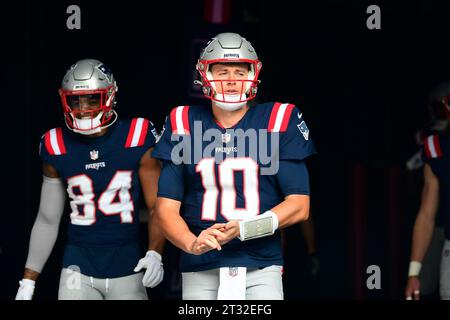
x: 303, y: 129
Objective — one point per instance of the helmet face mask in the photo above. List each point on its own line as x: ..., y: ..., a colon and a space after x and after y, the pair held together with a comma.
x: 232, y: 49
x: 87, y: 96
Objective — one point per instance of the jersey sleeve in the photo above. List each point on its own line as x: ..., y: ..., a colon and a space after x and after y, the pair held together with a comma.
x: 43, y: 152
x: 295, y: 140
x: 177, y: 125
x: 293, y: 177
x: 431, y: 148
x: 141, y: 133
x: 52, y: 146
x: 171, y: 181
x: 152, y: 135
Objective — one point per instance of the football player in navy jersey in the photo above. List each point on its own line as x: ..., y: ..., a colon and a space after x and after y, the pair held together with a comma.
x: 435, y: 193
x: 101, y: 163
x: 232, y: 176
x: 437, y: 123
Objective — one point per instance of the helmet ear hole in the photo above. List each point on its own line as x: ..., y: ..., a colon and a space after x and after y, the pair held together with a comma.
x: 207, y: 91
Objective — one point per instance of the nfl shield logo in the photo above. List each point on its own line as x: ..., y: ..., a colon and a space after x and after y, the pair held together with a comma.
x: 233, y: 271
x: 226, y: 137
x: 94, y: 154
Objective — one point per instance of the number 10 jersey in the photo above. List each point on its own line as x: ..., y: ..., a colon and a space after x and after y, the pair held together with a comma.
x: 222, y: 174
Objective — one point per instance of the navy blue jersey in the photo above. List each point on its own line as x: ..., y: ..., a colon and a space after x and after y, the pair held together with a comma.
x: 232, y: 174
x: 101, y: 176
x: 436, y: 152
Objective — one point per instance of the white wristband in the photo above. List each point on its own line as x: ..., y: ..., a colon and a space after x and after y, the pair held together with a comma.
x: 414, y: 268
x: 27, y: 283
x: 260, y: 226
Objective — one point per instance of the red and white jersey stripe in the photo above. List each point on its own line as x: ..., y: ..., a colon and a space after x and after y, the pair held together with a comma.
x: 279, y: 118
x: 432, y: 147
x: 138, y: 133
x: 54, y: 142
x: 179, y: 120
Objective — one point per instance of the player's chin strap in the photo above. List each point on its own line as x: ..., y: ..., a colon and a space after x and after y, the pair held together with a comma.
x: 262, y: 225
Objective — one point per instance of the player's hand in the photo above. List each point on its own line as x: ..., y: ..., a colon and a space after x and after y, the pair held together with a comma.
x: 155, y: 271
x: 26, y: 289
x: 412, y: 291
x: 207, y: 240
x: 231, y: 230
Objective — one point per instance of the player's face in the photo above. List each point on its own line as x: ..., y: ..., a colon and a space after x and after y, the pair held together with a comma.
x: 230, y: 76
x: 83, y: 105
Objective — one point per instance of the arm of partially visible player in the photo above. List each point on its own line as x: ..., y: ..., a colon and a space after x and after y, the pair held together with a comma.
x: 308, y: 232
x: 167, y: 211
x: 45, y: 229
x: 293, y: 180
x: 423, y: 230
x: 149, y: 170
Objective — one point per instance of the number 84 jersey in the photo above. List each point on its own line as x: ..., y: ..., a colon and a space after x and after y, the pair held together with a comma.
x: 101, y: 176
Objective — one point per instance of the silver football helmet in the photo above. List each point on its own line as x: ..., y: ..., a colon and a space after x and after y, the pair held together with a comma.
x: 229, y: 48
x: 87, y: 94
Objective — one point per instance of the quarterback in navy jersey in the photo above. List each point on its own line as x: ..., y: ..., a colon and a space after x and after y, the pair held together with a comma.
x: 435, y: 195
x: 232, y: 176
x: 101, y: 163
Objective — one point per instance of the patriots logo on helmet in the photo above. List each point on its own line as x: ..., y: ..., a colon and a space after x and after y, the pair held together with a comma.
x: 106, y: 71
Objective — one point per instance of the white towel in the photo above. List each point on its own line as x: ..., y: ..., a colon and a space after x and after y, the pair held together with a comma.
x: 232, y: 283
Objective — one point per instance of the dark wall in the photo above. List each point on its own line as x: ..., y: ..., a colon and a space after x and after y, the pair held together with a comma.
x: 362, y: 92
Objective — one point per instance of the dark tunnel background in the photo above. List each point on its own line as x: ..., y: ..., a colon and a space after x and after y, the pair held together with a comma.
x: 363, y: 93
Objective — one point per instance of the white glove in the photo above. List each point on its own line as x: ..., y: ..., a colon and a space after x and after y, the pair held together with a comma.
x: 155, y: 271
x: 26, y: 289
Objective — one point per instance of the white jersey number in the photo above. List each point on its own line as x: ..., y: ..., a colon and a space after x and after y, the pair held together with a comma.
x: 226, y: 170
x: 118, y: 188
